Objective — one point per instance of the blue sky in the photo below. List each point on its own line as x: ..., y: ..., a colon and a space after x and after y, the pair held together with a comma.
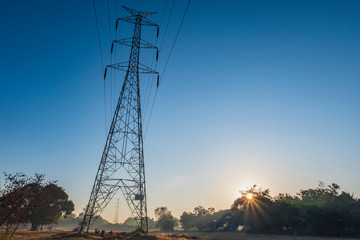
x: 256, y: 92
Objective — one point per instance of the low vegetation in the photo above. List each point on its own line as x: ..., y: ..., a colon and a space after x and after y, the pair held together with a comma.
x: 322, y: 211
x: 135, y: 235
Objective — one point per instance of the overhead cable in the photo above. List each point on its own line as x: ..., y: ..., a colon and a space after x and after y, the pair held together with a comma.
x: 102, y: 62
x: 167, y: 61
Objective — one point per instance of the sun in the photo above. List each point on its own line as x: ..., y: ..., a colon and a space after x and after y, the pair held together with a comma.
x: 249, y: 196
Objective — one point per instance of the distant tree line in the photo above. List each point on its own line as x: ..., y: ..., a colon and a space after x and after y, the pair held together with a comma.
x: 165, y: 222
x: 325, y: 211
x: 130, y: 224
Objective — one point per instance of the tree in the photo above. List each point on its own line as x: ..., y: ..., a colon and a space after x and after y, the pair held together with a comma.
x: 130, y: 221
x: 17, y: 200
x: 53, y: 204
x: 201, y: 219
x: 188, y: 221
x: 255, y: 211
x: 324, y: 210
x: 327, y: 211
x: 165, y: 220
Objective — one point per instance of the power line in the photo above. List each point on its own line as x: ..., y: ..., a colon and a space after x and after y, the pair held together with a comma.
x: 114, y: 89
x: 167, y: 61
x: 150, y: 82
x: 167, y: 24
x: 102, y: 62
x: 177, y: 34
x: 108, y: 8
x: 98, y: 34
x: 111, y: 75
x: 162, y: 16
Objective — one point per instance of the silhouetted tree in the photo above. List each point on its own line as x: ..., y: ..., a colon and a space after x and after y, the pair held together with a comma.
x: 255, y: 212
x: 201, y: 219
x: 53, y: 204
x: 165, y: 220
x: 325, y: 210
x: 17, y: 200
x: 319, y: 211
x: 188, y: 221
x: 131, y: 222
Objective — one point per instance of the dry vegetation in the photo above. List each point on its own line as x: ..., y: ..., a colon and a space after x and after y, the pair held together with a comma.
x: 244, y: 236
x: 26, y: 235
x: 58, y: 235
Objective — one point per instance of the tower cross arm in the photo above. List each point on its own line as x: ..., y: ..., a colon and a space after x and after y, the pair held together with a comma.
x: 128, y: 42
x: 137, y: 13
x: 146, y: 69
x: 147, y: 22
x: 124, y: 67
x: 133, y: 19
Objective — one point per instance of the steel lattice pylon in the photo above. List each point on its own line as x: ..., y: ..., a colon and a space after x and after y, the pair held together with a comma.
x: 122, y: 162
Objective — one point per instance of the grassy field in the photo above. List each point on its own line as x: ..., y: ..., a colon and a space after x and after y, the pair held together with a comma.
x: 27, y: 235
x: 243, y: 236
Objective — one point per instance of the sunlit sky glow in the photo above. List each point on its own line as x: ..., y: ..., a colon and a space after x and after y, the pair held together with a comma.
x: 249, y: 196
x: 256, y: 92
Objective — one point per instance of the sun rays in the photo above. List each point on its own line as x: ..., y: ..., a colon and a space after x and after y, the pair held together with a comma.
x: 254, y: 202
x: 249, y: 196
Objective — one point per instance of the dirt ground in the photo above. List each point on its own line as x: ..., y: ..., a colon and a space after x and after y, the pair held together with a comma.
x: 244, y: 236
x: 26, y: 235
x: 58, y: 235
x: 61, y: 235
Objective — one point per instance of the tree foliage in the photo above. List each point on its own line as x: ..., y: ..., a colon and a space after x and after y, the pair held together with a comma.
x: 325, y: 210
x: 53, y: 204
x: 31, y: 200
x: 165, y: 220
x: 200, y: 219
x: 17, y: 200
x: 130, y: 221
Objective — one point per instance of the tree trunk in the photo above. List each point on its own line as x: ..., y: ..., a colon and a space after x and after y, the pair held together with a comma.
x: 34, y: 227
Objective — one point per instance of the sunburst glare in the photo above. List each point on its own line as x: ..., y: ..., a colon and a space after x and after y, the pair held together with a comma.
x: 249, y: 196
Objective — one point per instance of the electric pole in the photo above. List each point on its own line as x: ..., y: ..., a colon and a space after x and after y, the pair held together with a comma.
x: 116, y: 217
x: 122, y: 162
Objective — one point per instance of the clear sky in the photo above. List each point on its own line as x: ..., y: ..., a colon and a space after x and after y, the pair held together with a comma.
x: 256, y: 92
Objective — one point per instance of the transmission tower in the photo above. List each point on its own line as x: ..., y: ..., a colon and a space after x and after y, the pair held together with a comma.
x: 122, y: 162
x: 116, y: 217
